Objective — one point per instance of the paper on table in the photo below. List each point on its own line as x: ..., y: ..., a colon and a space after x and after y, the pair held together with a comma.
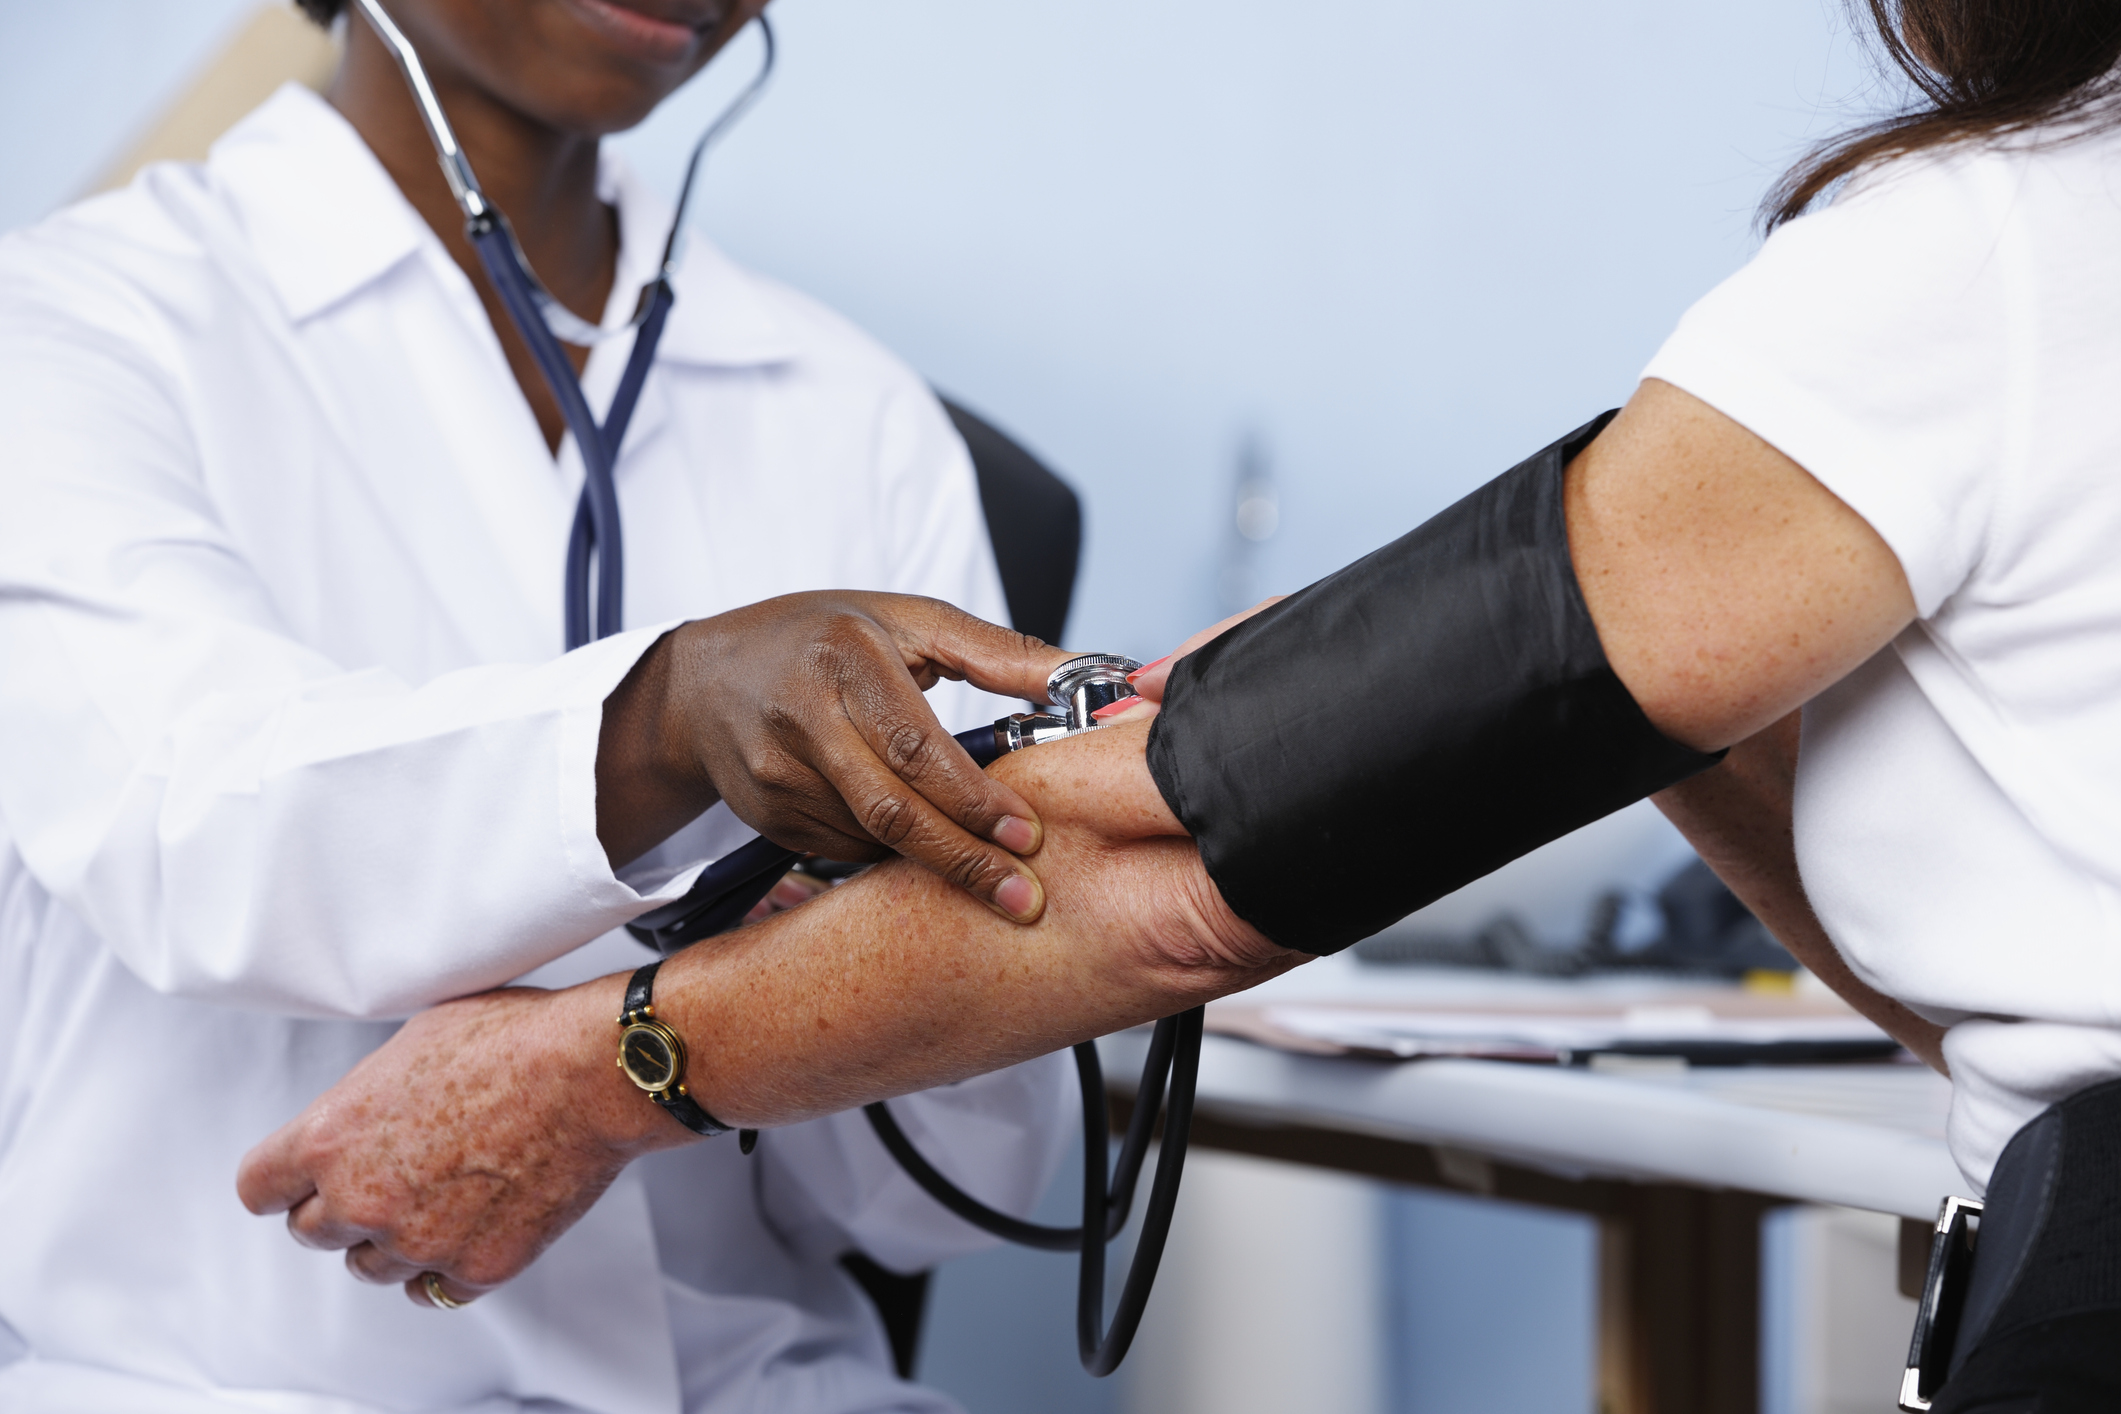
x: 1549, y: 1035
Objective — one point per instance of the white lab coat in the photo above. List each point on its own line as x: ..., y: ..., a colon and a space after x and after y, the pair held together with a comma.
x: 288, y: 749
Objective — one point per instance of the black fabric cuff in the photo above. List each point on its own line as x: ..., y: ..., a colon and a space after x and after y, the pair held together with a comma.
x: 1408, y: 724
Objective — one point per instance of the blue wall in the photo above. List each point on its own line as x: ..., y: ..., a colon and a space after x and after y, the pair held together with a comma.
x: 1402, y: 243
x: 80, y: 78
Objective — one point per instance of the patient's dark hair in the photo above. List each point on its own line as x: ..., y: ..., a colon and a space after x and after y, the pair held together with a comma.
x: 1984, y: 69
x: 323, y: 11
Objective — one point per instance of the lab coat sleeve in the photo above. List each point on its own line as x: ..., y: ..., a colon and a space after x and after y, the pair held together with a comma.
x: 238, y: 817
x: 830, y: 1184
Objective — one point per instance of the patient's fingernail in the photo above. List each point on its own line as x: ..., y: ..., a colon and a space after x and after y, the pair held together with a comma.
x: 1016, y: 835
x: 1149, y: 667
x: 1113, y: 709
x: 1018, y: 896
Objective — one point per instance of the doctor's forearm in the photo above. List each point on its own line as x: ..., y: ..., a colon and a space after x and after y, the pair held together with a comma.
x: 1738, y: 817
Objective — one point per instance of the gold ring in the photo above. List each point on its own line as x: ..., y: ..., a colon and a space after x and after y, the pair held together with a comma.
x: 432, y: 1282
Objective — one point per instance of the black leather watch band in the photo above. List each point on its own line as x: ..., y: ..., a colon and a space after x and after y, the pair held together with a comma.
x: 640, y: 993
x: 654, y: 1058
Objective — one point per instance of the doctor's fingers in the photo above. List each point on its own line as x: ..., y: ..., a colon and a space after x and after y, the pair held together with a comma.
x: 847, y: 804
x: 908, y: 823
x: 948, y: 642
x: 890, y: 713
x: 903, y: 790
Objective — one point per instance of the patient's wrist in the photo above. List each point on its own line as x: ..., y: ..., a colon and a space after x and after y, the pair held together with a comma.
x: 571, y: 1066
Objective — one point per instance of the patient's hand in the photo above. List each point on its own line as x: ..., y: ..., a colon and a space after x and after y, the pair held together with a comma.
x: 464, y: 1146
x: 486, y: 1127
x: 1149, y: 682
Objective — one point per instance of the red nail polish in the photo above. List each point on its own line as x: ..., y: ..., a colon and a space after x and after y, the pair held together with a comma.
x: 1113, y: 709
x: 1146, y: 667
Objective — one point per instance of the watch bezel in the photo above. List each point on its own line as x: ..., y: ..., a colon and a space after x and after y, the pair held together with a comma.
x: 672, y: 1082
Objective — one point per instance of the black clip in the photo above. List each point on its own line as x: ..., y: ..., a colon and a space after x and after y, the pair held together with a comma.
x: 1929, y: 1355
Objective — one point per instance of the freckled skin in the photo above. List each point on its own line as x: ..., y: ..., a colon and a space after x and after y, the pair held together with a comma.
x: 1729, y: 587
x: 487, y: 1126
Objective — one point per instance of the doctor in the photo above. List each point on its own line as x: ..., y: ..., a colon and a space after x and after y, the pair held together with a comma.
x: 289, y: 750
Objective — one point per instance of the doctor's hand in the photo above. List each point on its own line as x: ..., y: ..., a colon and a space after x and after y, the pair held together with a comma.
x: 804, y: 713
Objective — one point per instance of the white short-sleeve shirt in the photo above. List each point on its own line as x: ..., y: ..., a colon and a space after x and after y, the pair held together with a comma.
x: 289, y: 748
x: 1941, y: 347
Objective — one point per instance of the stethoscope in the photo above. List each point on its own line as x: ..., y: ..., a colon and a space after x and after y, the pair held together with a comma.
x: 729, y: 888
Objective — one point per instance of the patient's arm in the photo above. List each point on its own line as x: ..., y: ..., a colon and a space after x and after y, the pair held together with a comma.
x: 1737, y: 816
x: 487, y: 1126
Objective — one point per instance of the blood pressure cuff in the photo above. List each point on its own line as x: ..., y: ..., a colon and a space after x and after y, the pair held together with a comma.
x: 1408, y: 724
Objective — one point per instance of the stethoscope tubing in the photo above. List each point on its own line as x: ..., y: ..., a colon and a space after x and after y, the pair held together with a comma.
x: 596, y: 525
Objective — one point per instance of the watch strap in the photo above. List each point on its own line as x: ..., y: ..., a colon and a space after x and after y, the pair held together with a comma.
x: 639, y: 1006
x: 690, y: 1113
x: 640, y: 993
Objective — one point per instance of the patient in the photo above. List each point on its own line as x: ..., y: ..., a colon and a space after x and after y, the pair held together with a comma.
x: 469, y: 1142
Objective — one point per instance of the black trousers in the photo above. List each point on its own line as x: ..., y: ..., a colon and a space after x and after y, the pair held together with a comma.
x: 2041, y: 1330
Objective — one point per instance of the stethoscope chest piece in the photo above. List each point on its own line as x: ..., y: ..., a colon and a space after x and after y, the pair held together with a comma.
x: 1085, y: 685
x: 1080, y: 688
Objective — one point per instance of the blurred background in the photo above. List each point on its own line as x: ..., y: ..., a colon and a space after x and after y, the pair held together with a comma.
x: 1268, y: 284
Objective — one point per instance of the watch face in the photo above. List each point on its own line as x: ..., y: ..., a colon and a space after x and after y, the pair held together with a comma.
x: 650, y: 1056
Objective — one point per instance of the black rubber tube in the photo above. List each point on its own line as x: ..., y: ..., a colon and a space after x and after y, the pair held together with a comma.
x: 1173, y: 1063
x: 1102, y: 1349
x: 957, y: 1200
x: 1126, y: 1173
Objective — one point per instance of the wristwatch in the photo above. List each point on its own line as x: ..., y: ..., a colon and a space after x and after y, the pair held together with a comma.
x: 654, y: 1058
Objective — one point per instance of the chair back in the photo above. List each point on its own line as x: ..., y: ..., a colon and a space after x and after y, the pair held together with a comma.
x: 1035, y: 521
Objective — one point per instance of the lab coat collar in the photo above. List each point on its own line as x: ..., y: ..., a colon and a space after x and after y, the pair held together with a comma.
x: 326, y: 220
x: 323, y: 217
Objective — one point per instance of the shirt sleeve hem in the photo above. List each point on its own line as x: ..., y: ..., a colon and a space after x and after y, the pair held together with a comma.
x: 581, y: 729
x: 1839, y: 452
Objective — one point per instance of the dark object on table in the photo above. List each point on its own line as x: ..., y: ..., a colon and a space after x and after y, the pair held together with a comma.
x: 1707, y: 933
